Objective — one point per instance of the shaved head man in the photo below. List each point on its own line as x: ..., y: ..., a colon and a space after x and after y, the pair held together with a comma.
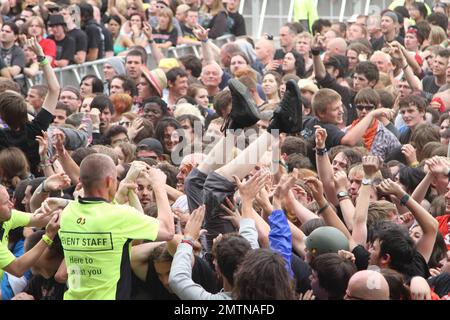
x: 335, y: 47
x: 98, y: 175
x: 265, y: 49
x: 367, y: 285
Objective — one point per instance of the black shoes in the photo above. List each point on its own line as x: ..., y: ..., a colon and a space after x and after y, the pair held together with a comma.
x: 287, y: 117
x: 244, y: 112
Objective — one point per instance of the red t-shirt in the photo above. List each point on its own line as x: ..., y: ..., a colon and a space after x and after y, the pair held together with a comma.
x: 49, y: 47
x: 444, y: 228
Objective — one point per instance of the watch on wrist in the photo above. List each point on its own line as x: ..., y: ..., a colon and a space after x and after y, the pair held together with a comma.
x: 342, y: 195
x: 367, y: 182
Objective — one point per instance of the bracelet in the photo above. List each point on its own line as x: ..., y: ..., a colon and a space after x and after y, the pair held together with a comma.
x: 188, y: 240
x: 43, y: 187
x: 404, y: 199
x: 45, y: 164
x: 407, y: 65
x: 323, y: 208
x: 414, y: 164
x: 47, y: 240
x: 321, y: 152
x: 205, y: 40
x: 44, y: 62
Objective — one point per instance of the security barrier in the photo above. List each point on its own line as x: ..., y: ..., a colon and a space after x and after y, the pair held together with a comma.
x: 72, y: 75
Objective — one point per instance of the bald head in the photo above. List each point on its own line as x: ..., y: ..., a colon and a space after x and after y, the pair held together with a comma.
x: 367, y: 285
x: 337, y: 46
x: 265, y: 49
x: 94, y: 169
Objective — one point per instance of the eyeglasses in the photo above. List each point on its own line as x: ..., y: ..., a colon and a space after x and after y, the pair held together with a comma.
x: 361, y: 107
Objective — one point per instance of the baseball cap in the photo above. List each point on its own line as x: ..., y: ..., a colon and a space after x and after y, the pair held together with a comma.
x: 150, y: 144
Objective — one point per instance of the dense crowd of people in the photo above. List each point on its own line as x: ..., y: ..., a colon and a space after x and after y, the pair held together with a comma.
x: 312, y: 164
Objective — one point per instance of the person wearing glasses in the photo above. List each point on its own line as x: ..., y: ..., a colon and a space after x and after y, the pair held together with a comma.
x: 378, y: 139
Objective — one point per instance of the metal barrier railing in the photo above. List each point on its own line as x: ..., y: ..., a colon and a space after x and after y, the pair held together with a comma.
x: 72, y: 75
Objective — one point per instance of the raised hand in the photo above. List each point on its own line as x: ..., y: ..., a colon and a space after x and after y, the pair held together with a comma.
x: 316, y: 187
x: 232, y: 213
x: 58, y: 141
x: 200, y: 32
x: 43, y: 145
x: 148, y: 31
x: 410, y: 153
x: 371, y: 165
x: 250, y: 188
x: 137, y: 167
x: 340, y: 181
x: 438, y: 165
x: 387, y: 186
x: 51, y: 204
x: 157, y: 177
x: 34, y: 46
x: 321, y: 137
x: 53, y: 225
x: 56, y: 182
x: 318, y: 42
x: 122, y: 192
x: 193, y: 226
x: 383, y: 113
x: 136, y: 127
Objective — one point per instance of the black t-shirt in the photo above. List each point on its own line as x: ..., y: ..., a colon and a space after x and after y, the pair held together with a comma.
x: 163, y: 36
x: 152, y: 288
x: 109, y: 43
x: 238, y: 24
x: 81, y: 39
x: 429, y: 87
x: 217, y: 24
x: 187, y: 32
x: 361, y: 257
x: 65, y: 49
x: 45, y: 289
x: 25, y: 139
x: 96, y: 39
x: 378, y: 44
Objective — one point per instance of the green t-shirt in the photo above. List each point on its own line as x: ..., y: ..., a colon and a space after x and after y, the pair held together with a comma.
x: 18, y: 219
x: 305, y: 10
x: 96, y: 237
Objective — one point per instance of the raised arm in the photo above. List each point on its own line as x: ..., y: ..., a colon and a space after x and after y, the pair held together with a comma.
x: 49, y: 75
x: 328, y: 215
x: 359, y: 234
x: 69, y: 166
x: 165, y: 216
x: 324, y: 168
x: 156, y: 51
x: 398, y: 51
x: 426, y: 221
x: 206, y: 47
x: 55, y: 182
x: 316, y: 47
x: 345, y: 203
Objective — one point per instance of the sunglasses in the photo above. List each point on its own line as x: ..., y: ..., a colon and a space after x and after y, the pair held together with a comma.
x: 361, y: 107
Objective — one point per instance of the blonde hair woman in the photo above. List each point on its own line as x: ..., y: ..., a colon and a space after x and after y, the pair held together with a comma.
x: 437, y: 35
x: 165, y: 35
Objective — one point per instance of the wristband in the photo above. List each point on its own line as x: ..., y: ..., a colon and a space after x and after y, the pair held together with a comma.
x: 407, y: 65
x: 315, y: 52
x: 40, y: 58
x: 44, y: 62
x: 43, y: 187
x: 321, y: 152
x: 414, y: 164
x: 204, y: 41
x: 47, y: 240
x: 323, y: 208
x: 404, y: 199
x: 188, y: 240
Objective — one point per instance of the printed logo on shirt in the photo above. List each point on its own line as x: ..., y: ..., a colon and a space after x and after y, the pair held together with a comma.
x: 86, y: 241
